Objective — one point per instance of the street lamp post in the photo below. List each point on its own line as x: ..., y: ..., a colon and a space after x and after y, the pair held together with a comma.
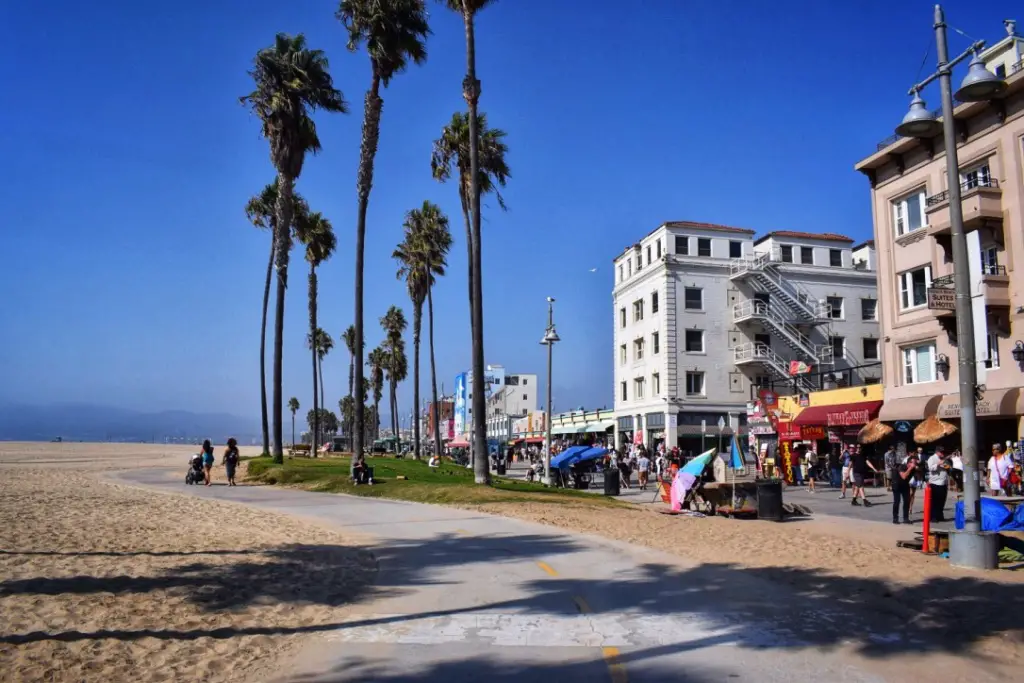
x: 550, y: 339
x: 979, y: 85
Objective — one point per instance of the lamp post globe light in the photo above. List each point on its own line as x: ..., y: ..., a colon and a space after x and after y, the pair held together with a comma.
x: 549, y: 340
x: 967, y: 548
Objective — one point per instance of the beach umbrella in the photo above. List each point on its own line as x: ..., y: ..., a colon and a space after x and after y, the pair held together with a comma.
x: 736, y: 456
x: 873, y: 432
x: 697, y: 465
x: 932, y: 429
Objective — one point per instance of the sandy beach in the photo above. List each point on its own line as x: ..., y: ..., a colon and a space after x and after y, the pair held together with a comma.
x: 104, y: 582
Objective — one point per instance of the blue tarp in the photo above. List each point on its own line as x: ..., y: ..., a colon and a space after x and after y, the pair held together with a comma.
x: 595, y: 453
x: 568, y: 456
x: 994, y: 516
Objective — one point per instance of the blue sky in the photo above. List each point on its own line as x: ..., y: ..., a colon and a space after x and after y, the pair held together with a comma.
x: 132, y: 278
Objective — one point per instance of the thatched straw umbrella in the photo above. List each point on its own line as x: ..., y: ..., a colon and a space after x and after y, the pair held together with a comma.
x: 932, y: 429
x: 873, y: 432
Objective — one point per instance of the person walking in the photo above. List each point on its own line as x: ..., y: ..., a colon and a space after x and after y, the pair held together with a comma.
x: 938, y: 483
x: 890, y: 465
x: 812, y: 468
x: 956, y: 474
x: 208, y: 461
x: 915, y: 478
x: 231, y: 460
x: 834, y: 470
x: 845, y: 459
x: 643, y: 468
x: 859, y: 466
x: 999, y: 468
x: 900, y: 477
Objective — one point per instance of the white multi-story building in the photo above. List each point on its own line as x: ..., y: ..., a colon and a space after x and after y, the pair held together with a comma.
x: 705, y: 315
x: 509, y: 396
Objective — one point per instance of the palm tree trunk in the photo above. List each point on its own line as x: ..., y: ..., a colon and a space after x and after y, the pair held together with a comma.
x: 469, y: 256
x: 417, y: 323
x: 293, y: 429
x: 471, y: 92
x: 391, y: 404
x: 263, y: 350
x: 284, y: 210
x: 315, y: 438
x: 367, y: 152
x: 351, y: 376
x: 435, y: 409
x: 320, y: 364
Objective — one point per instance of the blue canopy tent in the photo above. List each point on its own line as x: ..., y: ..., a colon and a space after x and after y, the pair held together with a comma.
x: 595, y: 453
x: 568, y: 456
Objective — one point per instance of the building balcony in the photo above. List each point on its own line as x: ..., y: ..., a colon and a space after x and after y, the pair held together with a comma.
x: 982, y: 201
x: 995, y: 286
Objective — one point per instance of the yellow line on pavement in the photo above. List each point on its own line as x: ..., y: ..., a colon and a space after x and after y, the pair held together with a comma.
x: 616, y: 668
x: 463, y: 532
x: 547, y: 568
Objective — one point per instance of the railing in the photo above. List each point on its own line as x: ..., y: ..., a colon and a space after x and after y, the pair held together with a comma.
x: 1017, y: 67
x: 760, y: 262
x: 760, y: 310
x: 943, y: 281
x: 858, y: 375
x: 992, y: 269
x: 965, y: 185
x: 758, y: 352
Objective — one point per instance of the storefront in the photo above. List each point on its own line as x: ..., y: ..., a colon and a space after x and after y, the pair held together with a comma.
x: 624, y: 432
x: 998, y: 412
x: 655, y: 430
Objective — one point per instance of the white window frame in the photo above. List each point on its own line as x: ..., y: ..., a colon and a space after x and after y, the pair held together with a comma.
x: 638, y: 310
x: 624, y: 390
x: 684, y: 242
x: 782, y: 253
x: 842, y: 350
x: 655, y: 302
x: 655, y: 343
x: 638, y: 387
x: 992, y: 357
x: 655, y: 384
x: 622, y: 317
x: 711, y: 247
x: 832, y: 252
x: 690, y: 375
x: 864, y: 348
x: 990, y: 260
x: 802, y: 252
x: 657, y: 244
x: 910, y: 353
x: 638, y: 349
x: 873, y: 317
x: 978, y: 175
x: 621, y: 273
x: 900, y: 213
x: 842, y: 307
x: 703, y: 345
x: 906, y: 282
x: 737, y: 243
x: 699, y: 290
x: 623, y: 354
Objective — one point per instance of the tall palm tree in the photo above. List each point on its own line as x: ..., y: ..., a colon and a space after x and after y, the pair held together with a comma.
x: 315, y: 231
x: 349, y: 336
x: 293, y: 405
x: 378, y: 361
x: 397, y: 366
x: 421, y: 256
x: 291, y: 82
x: 394, y: 32
x: 471, y: 93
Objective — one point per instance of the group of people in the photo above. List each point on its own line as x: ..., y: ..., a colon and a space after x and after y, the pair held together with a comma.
x: 230, y: 460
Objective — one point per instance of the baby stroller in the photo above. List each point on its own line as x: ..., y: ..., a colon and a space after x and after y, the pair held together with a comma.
x: 195, y: 470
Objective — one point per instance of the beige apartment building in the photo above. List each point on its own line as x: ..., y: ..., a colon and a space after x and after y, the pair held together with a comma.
x: 911, y: 216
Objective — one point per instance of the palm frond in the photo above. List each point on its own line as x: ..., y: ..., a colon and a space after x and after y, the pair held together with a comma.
x: 393, y: 31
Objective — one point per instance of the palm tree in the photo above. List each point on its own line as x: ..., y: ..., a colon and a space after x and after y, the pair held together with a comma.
x: 394, y: 32
x: 260, y: 210
x: 291, y: 82
x: 316, y: 233
x: 293, y: 405
x: 349, y: 336
x: 421, y: 256
x: 397, y: 365
x: 378, y: 361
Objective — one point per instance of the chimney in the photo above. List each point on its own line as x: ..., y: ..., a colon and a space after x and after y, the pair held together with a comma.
x: 1011, y: 26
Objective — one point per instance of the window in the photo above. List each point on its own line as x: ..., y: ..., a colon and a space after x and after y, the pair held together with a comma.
x: 622, y: 317
x: 655, y: 343
x: 787, y: 253
x: 807, y: 256
x: 735, y: 249
x: 835, y: 258
x: 648, y: 255
x: 622, y: 355
x: 654, y: 302
x: 655, y: 384
x: 638, y: 349
x: 695, y: 341
x: 979, y: 176
x: 703, y: 246
x: 990, y: 261
x: 838, y: 347
x: 908, y: 213
x: 693, y: 299
x: 639, y: 261
x: 638, y: 387
x: 992, y: 361
x: 870, y: 349
x: 919, y: 364
x: 620, y: 273
x: 914, y: 286
x: 869, y: 309
x: 524, y: 381
x: 629, y: 267
x: 657, y: 248
x: 683, y: 245
x: 694, y: 383
x: 622, y: 387
x: 638, y: 311
x: 836, y: 303
x: 763, y: 382
x: 765, y: 339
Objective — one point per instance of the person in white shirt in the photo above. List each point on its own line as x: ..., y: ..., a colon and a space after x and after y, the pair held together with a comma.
x: 938, y: 483
x: 999, y: 467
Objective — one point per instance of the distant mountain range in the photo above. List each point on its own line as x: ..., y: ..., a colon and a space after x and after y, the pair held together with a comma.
x: 84, y: 422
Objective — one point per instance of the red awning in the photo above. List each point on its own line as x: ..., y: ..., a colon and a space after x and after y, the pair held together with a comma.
x: 535, y: 439
x: 842, y: 415
x: 458, y: 443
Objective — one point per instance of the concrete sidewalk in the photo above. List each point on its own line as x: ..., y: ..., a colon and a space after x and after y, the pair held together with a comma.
x: 463, y: 596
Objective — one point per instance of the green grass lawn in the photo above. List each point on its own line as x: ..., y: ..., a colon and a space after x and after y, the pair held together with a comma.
x: 445, y: 484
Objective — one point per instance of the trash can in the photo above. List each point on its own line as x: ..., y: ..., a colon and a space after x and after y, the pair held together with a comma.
x: 769, y: 500
x: 580, y: 482
x: 501, y: 468
x: 611, y: 482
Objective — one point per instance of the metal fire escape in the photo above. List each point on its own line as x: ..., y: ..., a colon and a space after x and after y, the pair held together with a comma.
x: 790, y: 315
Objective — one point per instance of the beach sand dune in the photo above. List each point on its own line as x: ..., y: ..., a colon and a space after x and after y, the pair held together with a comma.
x: 104, y: 582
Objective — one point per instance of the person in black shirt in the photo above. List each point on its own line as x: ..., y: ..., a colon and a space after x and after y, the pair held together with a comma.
x: 859, y: 466
x: 231, y: 460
